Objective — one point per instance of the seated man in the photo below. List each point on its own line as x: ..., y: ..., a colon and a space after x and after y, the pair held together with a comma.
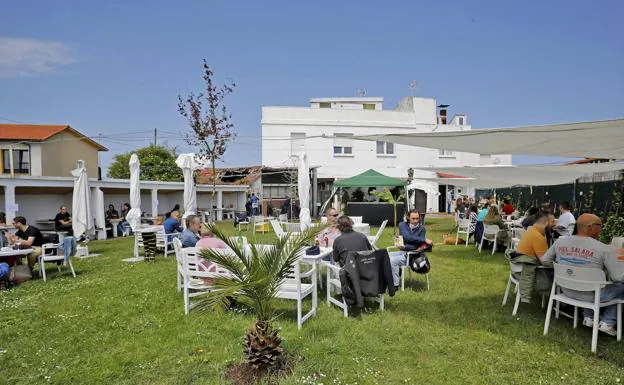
x: 190, y: 235
x: 63, y: 222
x: 413, y: 234
x: 585, y: 250
x: 566, y: 220
x: 28, y: 237
x: 348, y: 240
x: 533, y: 243
x: 172, y: 224
x: 326, y: 237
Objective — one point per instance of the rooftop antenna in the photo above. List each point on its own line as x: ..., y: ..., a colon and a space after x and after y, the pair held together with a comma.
x: 413, y: 84
x: 361, y: 92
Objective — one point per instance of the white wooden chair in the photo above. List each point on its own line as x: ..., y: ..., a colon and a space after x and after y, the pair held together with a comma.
x: 50, y: 253
x: 193, y: 284
x: 586, y: 280
x: 277, y: 228
x: 259, y: 223
x: 165, y: 241
x: 463, y: 227
x: 373, y: 239
x: 490, y: 233
x: 334, y: 285
x: 282, y: 218
x: 356, y: 219
x: 294, y: 288
x: 409, y: 271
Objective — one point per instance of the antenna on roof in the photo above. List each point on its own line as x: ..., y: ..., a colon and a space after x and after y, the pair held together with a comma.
x: 361, y: 92
x: 413, y: 84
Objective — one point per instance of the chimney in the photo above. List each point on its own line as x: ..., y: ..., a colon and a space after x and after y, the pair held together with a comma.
x: 442, y: 113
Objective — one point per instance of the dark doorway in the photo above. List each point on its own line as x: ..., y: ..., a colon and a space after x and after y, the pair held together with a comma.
x: 442, y: 198
x: 420, y: 201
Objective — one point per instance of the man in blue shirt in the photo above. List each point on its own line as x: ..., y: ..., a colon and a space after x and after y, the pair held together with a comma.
x: 172, y: 224
x: 190, y: 235
x: 413, y: 233
x: 254, y: 204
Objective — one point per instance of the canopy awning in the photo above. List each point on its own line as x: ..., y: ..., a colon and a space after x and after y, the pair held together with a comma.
x: 599, y: 139
x: 531, y: 175
x: 370, y: 178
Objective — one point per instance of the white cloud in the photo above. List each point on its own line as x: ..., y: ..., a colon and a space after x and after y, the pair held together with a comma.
x: 22, y: 56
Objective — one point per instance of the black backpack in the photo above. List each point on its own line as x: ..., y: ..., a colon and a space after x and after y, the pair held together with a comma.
x: 419, y: 263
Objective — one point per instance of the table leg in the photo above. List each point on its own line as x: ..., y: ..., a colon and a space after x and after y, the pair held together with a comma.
x: 114, y: 226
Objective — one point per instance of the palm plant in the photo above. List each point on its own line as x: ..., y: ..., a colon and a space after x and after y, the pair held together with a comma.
x: 386, y: 195
x: 256, y: 276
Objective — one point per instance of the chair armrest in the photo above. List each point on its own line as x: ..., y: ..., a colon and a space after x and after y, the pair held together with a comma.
x: 331, y: 266
x: 309, y: 272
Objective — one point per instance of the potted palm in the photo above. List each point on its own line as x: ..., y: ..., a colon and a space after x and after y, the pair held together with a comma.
x: 256, y: 275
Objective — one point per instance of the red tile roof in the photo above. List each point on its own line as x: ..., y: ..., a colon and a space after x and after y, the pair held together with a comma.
x: 445, y: 175
x: 40, y: 132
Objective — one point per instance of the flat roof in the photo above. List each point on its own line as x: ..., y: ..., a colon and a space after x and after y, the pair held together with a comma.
x: 347, y: 99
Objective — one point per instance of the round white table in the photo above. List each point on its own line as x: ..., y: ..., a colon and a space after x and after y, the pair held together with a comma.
x: 15, y: 253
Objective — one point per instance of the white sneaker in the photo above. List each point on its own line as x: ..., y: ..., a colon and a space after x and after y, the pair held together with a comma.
x: 589, y: 322
x: 607, y: 328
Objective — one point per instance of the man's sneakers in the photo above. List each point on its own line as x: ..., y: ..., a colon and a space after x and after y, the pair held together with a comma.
x: 589, y: 322
x: 602, y: 326
x: 607, y: 328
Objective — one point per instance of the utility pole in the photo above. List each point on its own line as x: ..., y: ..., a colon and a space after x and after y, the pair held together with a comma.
x: 155, y: 134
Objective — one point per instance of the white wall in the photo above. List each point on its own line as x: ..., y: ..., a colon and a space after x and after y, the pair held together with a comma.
x: 35, y: 159
x: 40, y: 206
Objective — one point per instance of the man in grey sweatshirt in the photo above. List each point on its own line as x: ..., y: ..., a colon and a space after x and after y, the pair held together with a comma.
x: 585, y: 250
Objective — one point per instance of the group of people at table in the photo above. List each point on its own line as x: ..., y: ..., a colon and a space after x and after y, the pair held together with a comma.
x: 566, y: 240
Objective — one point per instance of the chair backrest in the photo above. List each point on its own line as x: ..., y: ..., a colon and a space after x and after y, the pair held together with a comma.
x: 277, y: 228
x: 464, y: 224
x: 139, y: 238
x: 379, y: 232
x: 323, y: 220
x: 617, y: 242
x: 579, y: 278
x: 519, y: 232
x: 282, y: 218
x: 515, y: 267
x: 356, y: 220
x: 490, y: 229
x: 177, y: 248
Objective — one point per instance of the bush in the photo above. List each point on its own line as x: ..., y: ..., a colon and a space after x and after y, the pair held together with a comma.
x: 613, y: 227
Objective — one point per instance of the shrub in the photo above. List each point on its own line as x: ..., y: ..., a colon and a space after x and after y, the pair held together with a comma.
x: 613, y: 227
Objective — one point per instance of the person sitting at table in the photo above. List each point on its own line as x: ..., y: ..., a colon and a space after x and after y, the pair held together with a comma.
x: 27, y: 237
x: 329, y: 234
x: 494, y: 218
x: 172, y: 224
x: 531, y: 217
x: 565, y: 222
x: 190, y: 235
x: 472, y: 215
x: 123, y: 223
x: 585, y: 251
x: 63, y: 222
x: 111, y: 213
x: 460, y: 209
x: 414, y: 237
x: 533, y: 242
x: 176, y: 207
x: 348, y: 240
x: 508, y: 208
x: 209, y: 241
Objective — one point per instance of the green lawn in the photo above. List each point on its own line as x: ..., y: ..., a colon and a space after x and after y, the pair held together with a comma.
x: 119, y: 323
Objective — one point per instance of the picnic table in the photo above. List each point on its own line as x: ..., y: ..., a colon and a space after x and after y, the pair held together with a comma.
x: 4, y: 254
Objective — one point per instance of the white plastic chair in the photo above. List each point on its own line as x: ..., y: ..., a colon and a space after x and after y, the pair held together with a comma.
x: 177, y: 247
x: 463, y: 227
x: 515, y: 268
x: 373, y: 239
x: 356, y: 219
x: 490, y: 233
x: 293, y: 288
x: 282, y: 218
x: 334, y: 285
x: 586, y: 280
x: 409, y: 270
x: 50, y: 253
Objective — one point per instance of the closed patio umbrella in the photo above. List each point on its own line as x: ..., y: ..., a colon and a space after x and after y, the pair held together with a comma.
x: 81, y: 205
x: 134, y: 215
x: 188, y: 163
x: 303, y: 190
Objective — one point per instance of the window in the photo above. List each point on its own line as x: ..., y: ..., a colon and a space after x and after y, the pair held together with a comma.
x: 343, y: 145
x: 325, y: 105
x: 21, y: 162
x: 385, y: 148
x: 461, y: 121
x: 447, y: 154
x: 297, y: 142
x: 369, y: 106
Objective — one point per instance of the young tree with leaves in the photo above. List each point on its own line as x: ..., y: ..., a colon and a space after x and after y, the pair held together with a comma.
x: 157, y: 163
x: 210, y: 122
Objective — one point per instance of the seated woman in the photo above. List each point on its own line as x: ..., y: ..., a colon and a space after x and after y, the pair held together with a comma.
x: 494, y: 218
x: 472, y: 215
x: 208, y: 241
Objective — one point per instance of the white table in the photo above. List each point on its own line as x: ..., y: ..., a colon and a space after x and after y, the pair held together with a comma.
x: 15, y: 253
x: 317, y: 260
x: 363, y: 228
x: 114, y: 222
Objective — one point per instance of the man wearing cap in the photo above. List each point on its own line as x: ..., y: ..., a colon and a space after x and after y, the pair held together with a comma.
x: 585, y: 250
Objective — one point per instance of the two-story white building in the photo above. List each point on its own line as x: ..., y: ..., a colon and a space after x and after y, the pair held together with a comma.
x: 325, y: 131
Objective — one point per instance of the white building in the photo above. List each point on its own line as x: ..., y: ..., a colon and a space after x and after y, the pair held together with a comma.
x: 325, y: 129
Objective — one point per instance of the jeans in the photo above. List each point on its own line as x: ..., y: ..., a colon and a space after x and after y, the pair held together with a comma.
x: 122, y: 226
x: 608, y: 293
x: 397, y: 260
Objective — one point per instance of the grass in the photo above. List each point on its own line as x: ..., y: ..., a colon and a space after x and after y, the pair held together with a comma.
x: 121, y: 323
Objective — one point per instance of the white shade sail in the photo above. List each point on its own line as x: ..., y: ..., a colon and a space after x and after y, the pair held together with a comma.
x: 598, y: 139
x: 188, y: 163
x: 426, y: 186
x: 532, y: 175
x: 81, y: 202
x: 134, y: 215
x: 303, y: 190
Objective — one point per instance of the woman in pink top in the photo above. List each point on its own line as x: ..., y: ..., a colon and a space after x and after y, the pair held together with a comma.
x: 208, y: 241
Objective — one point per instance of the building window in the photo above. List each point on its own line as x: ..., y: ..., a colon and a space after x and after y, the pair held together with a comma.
x: 343, y: 144
x: 385, y: 148
x: 461, y: 121
x: 369, y: 106
x: 447, y: 154
x: 297, y: 143
x: 325, y: 105
x: 21, y: 162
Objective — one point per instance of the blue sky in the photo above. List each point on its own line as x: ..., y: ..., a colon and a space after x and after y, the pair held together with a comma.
x: 118, y: 66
